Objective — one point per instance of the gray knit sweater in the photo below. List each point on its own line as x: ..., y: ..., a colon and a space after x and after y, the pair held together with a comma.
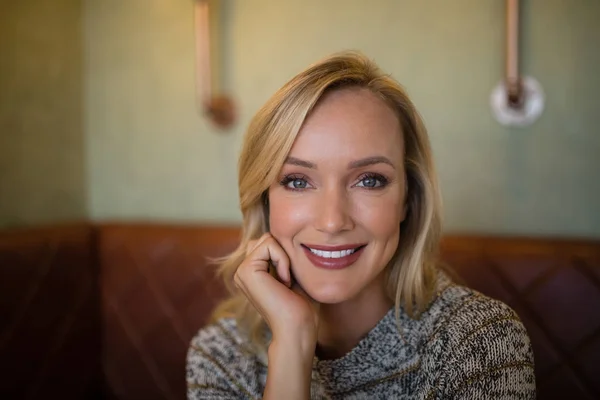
x: 465, y: 346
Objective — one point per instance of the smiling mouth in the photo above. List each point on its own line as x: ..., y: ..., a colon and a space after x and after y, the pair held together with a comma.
x: 334, y: 253
x: 331, y: 257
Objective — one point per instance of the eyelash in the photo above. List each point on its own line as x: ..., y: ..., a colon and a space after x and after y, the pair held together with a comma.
x: 383, y: 181
x: 286, y: 180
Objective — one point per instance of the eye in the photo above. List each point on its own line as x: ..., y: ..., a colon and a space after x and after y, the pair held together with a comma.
x: 292, y: 182
x: 297, y: 183
x: 372, y: 181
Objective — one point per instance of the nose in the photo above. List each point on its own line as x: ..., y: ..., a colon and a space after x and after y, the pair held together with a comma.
x: 333, y: 212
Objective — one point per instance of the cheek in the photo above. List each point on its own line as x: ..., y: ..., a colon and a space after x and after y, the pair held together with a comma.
x: 287, y: 216
x: 381, y: 216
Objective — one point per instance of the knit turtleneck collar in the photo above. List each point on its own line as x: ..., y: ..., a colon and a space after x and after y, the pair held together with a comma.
x: 389, y: 348
x: 371, y: 358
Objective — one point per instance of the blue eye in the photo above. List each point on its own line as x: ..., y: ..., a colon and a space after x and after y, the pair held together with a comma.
x: 294, y: 182
x: 372, y: 181
x: 297, y: 183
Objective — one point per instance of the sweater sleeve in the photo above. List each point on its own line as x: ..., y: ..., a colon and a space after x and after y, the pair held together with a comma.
x: 489, y: 355
x: 216, y: 369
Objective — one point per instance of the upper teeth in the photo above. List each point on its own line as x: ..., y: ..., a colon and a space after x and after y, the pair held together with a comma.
x: 332, y: 254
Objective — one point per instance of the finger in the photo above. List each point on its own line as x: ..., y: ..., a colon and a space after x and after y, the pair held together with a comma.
x: 253, y: 279
x: 258, y: 256
x: 284, y: 271
x: 278, y: 258
x: 270, y: 252
x: 252, y: 244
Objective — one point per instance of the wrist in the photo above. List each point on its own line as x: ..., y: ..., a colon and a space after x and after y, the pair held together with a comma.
x: 299, y: 347
x: 290, y: 368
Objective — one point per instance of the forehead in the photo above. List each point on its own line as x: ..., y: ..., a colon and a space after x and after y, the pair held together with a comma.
x: 348, y: 124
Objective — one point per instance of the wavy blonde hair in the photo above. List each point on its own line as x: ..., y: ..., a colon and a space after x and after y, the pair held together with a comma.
x: 269, y: 138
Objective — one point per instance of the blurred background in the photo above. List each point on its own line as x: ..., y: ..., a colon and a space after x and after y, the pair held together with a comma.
x: 115, y: 187
x: 98, y: 117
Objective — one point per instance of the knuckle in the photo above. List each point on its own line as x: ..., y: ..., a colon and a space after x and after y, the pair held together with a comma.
x: 238, y: 276
x: 238, y: 281
x: 266, y: 237
x: 255, y: 243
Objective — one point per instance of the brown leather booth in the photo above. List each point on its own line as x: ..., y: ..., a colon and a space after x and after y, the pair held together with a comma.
x: 107, y: 311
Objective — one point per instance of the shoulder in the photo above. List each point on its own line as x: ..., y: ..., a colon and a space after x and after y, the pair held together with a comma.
x: 460, y: 312
x: 480, y: 344
x: 221, y: 362
x: 220, y: 338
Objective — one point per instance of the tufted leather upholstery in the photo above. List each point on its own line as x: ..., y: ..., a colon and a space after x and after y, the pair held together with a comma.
x: 106, y: 311
x: 50, y: 326
x: 157, y: 291
x: 554, y: 286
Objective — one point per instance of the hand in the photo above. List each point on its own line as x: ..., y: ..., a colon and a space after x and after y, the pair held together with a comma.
x: 285, y: 307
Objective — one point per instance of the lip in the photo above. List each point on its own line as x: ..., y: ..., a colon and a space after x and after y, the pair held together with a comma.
x: 333, y: 263
x: 334, y: 248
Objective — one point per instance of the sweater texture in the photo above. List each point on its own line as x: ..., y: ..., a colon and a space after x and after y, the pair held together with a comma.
x: 464, y: 346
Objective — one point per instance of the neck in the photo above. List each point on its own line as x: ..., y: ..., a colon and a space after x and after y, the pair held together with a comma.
x: 342, y: 326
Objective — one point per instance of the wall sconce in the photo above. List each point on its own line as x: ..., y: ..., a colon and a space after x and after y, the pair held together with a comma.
x: 516, y: 100
x: 218, y: 107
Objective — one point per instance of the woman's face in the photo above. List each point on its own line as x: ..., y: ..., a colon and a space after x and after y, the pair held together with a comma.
x: 337, y: 206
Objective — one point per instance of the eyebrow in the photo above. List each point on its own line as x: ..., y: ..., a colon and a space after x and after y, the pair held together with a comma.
x: 363, y: 162
x: 300, y: 163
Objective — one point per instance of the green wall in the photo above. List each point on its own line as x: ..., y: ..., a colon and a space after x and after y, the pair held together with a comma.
x: 42, y: 176
x: 150, y: 155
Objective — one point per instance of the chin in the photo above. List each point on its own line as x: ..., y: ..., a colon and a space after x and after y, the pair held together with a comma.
x: 328, y: 293
x: 330, y: 298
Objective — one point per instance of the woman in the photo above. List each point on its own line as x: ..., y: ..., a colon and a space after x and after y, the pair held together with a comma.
x: 336, y: 290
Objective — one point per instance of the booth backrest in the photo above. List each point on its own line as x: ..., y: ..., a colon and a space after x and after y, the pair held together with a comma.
x: 107, y: 311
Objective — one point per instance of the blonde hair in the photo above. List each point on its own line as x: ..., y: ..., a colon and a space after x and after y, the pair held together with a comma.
x: 269, y: 138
